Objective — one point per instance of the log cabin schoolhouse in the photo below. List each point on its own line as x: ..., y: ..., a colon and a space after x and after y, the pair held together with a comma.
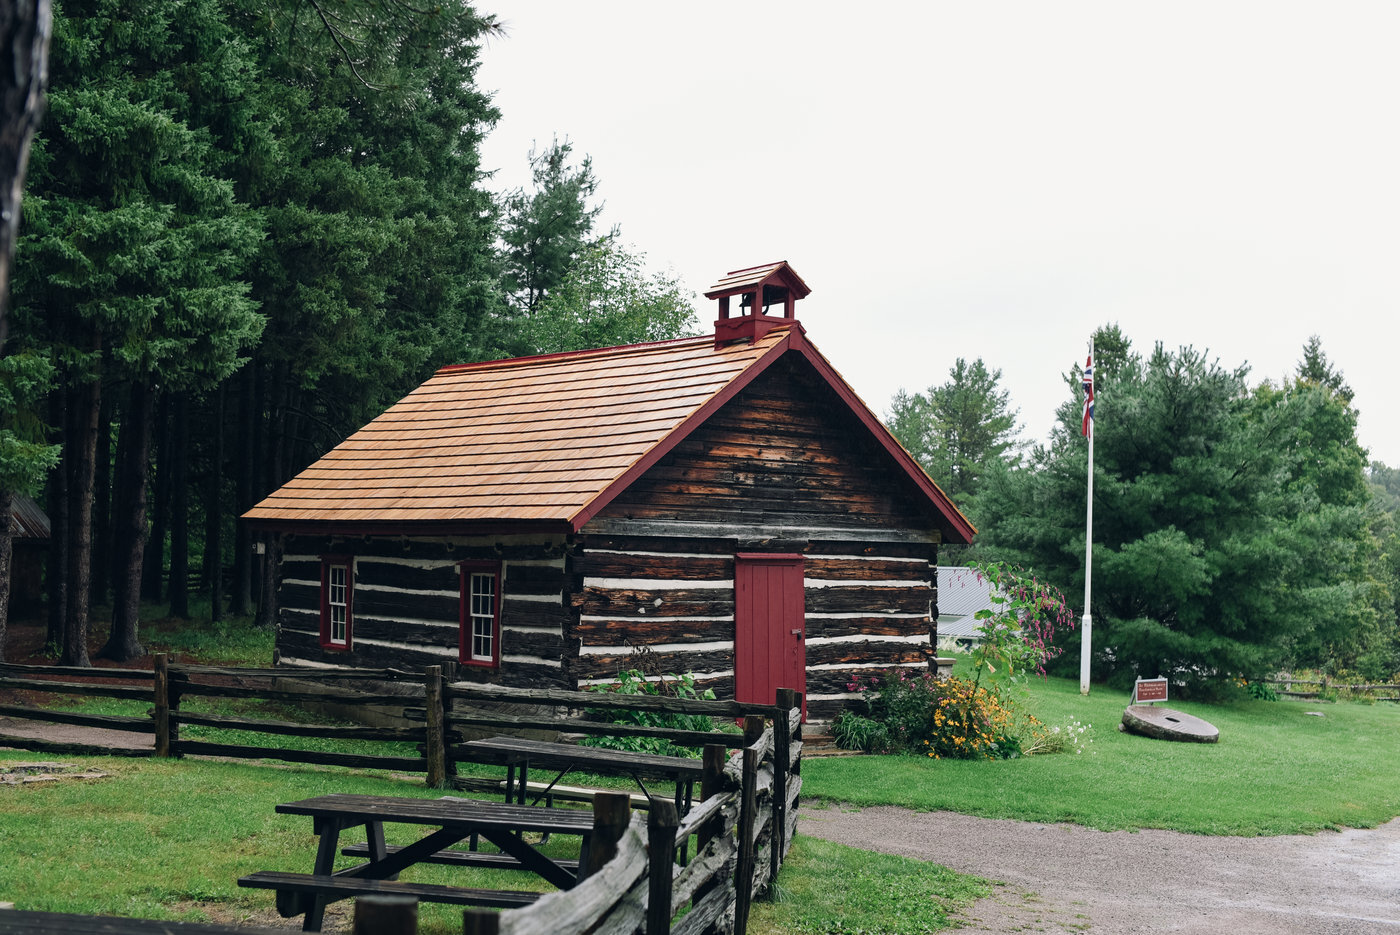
x: 724, y: 505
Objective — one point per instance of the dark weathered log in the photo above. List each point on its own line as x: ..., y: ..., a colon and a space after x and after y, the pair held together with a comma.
x: 867, y: 569
x: 899, y: 600
x: 293, y: 729
x: 271, y: 694
x: 604, y: 700
x: 311, y: 677
x: 648, y: 630
x: 432, y: 549
x: 135, y: 724
x: 371, y: 573
x: 608, y: 665
x: 78, y: 671
x: 707, y: 914
x: 743, y: 874
x: 684, y: 738
x: 723, y: 548
x: 884, y: 653
x: 357, y: 760
x: 670, y: 567
x: 435, y: 737
x: 384, y: 914
x: 77, y: 688
x: 611, y: 813
x: 698, y: 602
x: 819, y: 627
x: 662, y: 820
x: 160, y: 713
x: 71, y: 749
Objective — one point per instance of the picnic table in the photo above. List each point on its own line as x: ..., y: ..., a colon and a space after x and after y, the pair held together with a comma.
x: 518, y: 755
x: 456, y: 819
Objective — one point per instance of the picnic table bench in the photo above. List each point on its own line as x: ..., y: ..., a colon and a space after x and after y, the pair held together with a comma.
x: 518, y: 755
x: 26, y: 922
x: 456, y: 819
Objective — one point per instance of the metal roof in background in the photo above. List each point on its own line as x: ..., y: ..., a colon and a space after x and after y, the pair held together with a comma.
x: 961, y: 593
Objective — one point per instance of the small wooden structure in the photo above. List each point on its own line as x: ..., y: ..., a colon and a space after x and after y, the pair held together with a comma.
x: 29, y: 527
x: 724, y: 505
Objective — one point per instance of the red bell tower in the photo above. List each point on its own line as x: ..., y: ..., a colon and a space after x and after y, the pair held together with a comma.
x: 760, y: 288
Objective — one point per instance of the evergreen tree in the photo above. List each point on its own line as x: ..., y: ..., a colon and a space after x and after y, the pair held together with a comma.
x: 1214, y: 553
x: 958, y: 430
x: 135, y: 243
x: 548, y: 228
x: 606, y: 299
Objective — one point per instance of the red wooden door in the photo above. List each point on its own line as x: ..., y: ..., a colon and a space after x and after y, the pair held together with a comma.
x: 769, y: 626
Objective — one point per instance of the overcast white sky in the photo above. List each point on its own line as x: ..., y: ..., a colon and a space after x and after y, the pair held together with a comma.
x: 996, y: 179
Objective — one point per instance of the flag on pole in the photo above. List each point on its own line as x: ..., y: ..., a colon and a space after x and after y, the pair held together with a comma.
x: 1088, y: 395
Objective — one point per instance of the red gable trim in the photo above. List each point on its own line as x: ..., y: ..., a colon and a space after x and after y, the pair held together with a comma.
x: 794, y: 340
x: 343, y: 528
x: 960, y: 525
x: 564, y: 355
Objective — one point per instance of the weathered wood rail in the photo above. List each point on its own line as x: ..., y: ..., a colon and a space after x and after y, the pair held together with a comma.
x: 1286, y: 685
x: 709, y: 863
x: 742, y: 829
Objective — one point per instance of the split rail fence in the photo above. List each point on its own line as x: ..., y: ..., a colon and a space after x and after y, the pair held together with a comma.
x: 739, y: 830
x: 1290, y: 687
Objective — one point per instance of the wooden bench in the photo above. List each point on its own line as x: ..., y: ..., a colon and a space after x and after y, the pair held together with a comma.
x: 457, y: 858
x: 27, y: 922
x: 294, y: 888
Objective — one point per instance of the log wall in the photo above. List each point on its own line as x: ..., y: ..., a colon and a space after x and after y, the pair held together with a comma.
x: 406, y: 604
x: 780, y: 468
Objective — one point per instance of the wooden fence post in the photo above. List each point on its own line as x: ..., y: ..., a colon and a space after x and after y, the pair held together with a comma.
x: 611, y: 812
x: 480, y: 922
x: 434, y: 739
x: 160, y: 679
x: 743, y: 874
x: 662, y: 821
x: 782, y: 751
x: 753, y: 729
x: 385, y: 914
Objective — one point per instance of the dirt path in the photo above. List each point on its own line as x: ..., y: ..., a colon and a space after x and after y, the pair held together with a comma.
x: 1064, y: 878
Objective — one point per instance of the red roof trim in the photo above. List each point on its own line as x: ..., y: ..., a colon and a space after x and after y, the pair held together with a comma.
x: 342, y: 528
x: 680, y: 432
x: 564, y: 355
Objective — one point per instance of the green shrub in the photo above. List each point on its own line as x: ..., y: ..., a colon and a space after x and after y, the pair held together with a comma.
x: 634, y: 682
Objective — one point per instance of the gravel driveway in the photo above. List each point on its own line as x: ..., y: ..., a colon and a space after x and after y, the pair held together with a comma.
x: 1064, y: 878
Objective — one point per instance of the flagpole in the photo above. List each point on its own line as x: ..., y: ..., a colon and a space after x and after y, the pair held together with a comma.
x: 1086, y: 625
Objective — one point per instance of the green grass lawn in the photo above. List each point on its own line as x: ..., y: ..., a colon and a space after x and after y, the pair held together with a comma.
x: 169, y: 838
x: 1276, y: 770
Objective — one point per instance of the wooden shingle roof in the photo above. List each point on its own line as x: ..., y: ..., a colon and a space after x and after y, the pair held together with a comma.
x: 535, y: 441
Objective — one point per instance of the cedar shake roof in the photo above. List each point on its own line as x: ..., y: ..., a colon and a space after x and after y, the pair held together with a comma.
x: 540, y: 441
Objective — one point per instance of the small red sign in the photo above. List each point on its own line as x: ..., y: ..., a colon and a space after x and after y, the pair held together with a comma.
x: 1149, y: 690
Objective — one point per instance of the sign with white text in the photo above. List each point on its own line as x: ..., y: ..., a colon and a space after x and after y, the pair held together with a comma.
x: 1145, y: 690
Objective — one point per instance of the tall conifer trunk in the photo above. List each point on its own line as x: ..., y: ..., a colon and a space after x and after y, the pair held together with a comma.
x: 214, y: 514
x: 180, y: 508
x: 123, y: 643
x: 7, y: 525
x: 102, y: 506
x: 87, y: 398
x: 247, y: 451
x: 152, y: 575
x: 58, y: 525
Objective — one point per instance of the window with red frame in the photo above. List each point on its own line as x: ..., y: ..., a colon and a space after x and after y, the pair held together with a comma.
x: 337, y: 592
x: 481, y: 614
